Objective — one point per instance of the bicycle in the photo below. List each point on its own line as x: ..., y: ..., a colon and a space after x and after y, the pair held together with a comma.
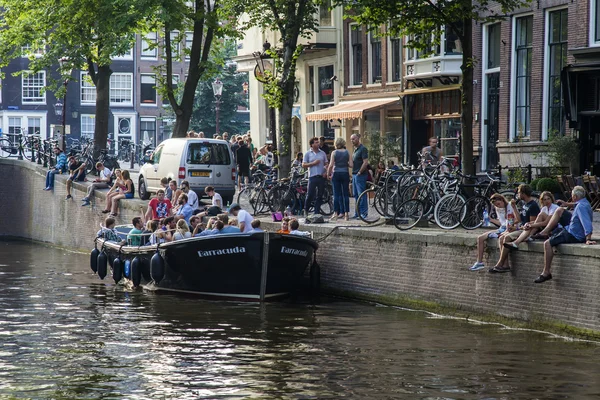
x: 19, y: 145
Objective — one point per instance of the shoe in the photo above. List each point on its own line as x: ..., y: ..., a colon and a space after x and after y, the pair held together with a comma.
x: 543, y: 278
x: 105, y: 211
x: 47, y: 188
x: 498, y: 270
x: 477, y: 266
x: 511, y: 246
x: 68, y: 197
x: 85, y: 199
x: 85, y: 203
x: 540, y: 236
x: 113, y: 215
x: 333, y: 219
x: 354, y: 217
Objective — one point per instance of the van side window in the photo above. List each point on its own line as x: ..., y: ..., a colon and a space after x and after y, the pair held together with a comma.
x: 156, y: 155
x: 208, y: 153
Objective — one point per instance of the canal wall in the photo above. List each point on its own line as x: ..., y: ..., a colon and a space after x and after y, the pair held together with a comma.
x: 421, y: 266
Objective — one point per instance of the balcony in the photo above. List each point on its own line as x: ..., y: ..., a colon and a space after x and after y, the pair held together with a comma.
x: 440, y: 67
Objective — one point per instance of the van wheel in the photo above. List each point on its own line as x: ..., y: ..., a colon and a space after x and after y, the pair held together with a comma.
x: 142, y: 191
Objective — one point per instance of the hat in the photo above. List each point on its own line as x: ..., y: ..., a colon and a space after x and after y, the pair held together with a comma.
x: 234, y: 206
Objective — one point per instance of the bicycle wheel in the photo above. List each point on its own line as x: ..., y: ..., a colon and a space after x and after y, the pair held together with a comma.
x: 7, y: 149
x: 245, y: 200
x: 369, y: 197
x: 472, y: 212
x: 448, y: 211
x: 27, y: 151
x: 260, y: 202
x: 326, y: 208
x: 409, y: 214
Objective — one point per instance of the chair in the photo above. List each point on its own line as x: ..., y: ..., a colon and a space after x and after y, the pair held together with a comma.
x: 590, y: 188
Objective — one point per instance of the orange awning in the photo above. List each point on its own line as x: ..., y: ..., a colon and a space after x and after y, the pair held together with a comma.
x: 349, y: 109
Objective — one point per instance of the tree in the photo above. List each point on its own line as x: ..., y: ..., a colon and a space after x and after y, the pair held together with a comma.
x: 204, y: 117
x: 85, y: 33
x: 424, y: 21
x: 202, y: 19
x: 291, y: 20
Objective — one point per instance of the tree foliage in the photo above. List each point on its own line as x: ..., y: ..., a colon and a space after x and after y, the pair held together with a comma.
x: 85, y: 33
x: 290, y: 20
x: 423, y: 22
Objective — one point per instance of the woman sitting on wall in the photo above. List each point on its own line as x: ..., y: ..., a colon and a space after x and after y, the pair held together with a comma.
x: 117, y: 187
x: 127, y: 193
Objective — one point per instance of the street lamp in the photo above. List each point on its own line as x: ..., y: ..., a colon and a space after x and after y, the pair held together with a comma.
x: 63, y: 110
x: 217, y: 91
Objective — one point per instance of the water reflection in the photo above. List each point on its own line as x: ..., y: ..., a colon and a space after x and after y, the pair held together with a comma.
x: 66, y: 335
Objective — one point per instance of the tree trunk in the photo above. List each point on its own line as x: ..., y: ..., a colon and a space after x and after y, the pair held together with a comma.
x: 284, y: 138
x: 466, y: 118
x: 182, y: 121
x: 102, y: 108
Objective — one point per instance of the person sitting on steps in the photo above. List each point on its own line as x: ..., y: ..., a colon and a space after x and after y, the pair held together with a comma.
x: 114, y: 190
x: 76, y: 173
x: 102, y: 182
x: 59, y: 168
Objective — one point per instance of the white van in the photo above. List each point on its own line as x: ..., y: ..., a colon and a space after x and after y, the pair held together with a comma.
x: 201, y: 162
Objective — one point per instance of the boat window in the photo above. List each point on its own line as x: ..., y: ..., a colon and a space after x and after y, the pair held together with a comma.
x: 208, y: 153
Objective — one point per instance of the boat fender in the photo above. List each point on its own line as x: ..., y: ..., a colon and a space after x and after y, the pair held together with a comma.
x: 102, y: 264
x: 157, y: 268
x: 94, y: 260
x: 117, y: 269
x: 136, y: 271
x: 127, y: 269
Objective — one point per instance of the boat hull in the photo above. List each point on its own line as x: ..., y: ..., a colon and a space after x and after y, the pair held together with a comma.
x: 258, y: 266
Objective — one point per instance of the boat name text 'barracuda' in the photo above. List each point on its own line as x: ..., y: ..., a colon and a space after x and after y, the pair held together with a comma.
x: 221, y: 252
x: 295, y: 252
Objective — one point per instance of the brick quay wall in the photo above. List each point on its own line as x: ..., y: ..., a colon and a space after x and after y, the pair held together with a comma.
x: 421, y: 267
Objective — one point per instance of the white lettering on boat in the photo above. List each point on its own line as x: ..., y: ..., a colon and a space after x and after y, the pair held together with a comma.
x: 221, y: 252
x: 294, y: 252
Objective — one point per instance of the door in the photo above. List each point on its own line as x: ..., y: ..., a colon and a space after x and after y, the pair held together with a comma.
x: 491, y: 120
x: 297, y: 136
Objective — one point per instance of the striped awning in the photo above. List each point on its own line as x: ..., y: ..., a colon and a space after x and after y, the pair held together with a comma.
x: 349, y: 109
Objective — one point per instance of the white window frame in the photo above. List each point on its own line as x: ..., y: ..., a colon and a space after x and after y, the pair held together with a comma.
x: 513, y: 69
x: 92, y: 118
x: 592, y: 25
x: 316, y: 126
x: 26, y: 51
x: 29, y: 119
x: 188, y: 34
x: 26, y: 75
x: 148, y: 119
x: 24, y: 116
x: 330, y: 16
x: 132, y: 128
x: 370, y: 82
x: 351, y: 55
x: 390, y: 61
x: 126, y: 56
x: 546, y: 87
x: 484, y: 83
x: 155, y: 104
x: 175, y: 46
x: 84, y: 80
x: 148, y: 40
x: 113, y: 77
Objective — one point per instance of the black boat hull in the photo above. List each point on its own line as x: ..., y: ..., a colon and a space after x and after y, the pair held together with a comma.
x: 258, y: 266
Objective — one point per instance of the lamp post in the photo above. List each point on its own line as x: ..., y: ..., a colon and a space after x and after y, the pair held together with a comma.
x: 217, y: 91
x: 63, y: 62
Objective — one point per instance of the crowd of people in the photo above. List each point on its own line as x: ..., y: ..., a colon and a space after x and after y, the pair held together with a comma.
x: 549, y: 221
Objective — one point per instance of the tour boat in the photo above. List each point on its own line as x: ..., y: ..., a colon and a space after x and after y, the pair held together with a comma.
x: 257, y: 267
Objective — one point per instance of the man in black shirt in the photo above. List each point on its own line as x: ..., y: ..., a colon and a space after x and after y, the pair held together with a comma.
x: 244, y: 159
x: 76, y: 173
x: 323, y: 146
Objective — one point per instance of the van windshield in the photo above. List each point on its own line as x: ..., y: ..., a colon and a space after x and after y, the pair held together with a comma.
x: 208, y: 153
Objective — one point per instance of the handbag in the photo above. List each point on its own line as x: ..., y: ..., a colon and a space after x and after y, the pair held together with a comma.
x: 277, y: 216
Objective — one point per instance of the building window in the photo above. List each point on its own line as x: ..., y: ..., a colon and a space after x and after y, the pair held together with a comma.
x: 88, y: 90
x: 189, y: 39
x: 448, y: 131
x: 121, y: 89
x: 493, y: 46
x: 523, y: 53
x: 14, y: 125
x: 375, y: 56
x: 325, y: 85
x: 596, y: 19
x: 395, y: 59
x: 34, y: 126
x: 32, y: 87
x: 557, y: 59
x: 175, y: 83
x: 356, y: 37
x: 150, y: 45
x: 128, y: 55
x: 148, y: 89
x: 148, y: 130
x: 452, y: 44
x: 174, y: 35
x: 87, y: 125
x: 28, y: 51
x: 325, y: 13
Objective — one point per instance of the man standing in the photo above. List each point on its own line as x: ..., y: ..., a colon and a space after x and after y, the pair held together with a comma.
x: 76, y: 173
x: 244, y: 159
x: 432, y: 154
x: 323, y: 146
x: 102, y: 182
x: 579, y: 230
x: 360, y: 160
x: 243, y: 217
x: 192, y: 197
x: 315, y: 160
x: 159, y: 207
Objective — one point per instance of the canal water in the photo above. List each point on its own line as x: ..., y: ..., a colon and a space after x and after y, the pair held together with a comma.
x: 64, y: 334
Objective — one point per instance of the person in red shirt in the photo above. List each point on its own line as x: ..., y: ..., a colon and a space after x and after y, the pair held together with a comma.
x: 159, y: 207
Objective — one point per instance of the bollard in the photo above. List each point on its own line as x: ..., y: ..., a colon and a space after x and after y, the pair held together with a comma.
x: 529, y: 174
x: 20, y: 141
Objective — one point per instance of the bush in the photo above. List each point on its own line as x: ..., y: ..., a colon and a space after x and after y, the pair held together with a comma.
x: 548, y: 184
x: 534, y: 183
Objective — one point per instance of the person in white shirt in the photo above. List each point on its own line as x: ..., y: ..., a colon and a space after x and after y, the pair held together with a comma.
x: 244, y: 218
x: 102, y: 182
x: 294, y: 225
x: 531, y: 228
x: 192, y: 196
x: 216, y: 205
